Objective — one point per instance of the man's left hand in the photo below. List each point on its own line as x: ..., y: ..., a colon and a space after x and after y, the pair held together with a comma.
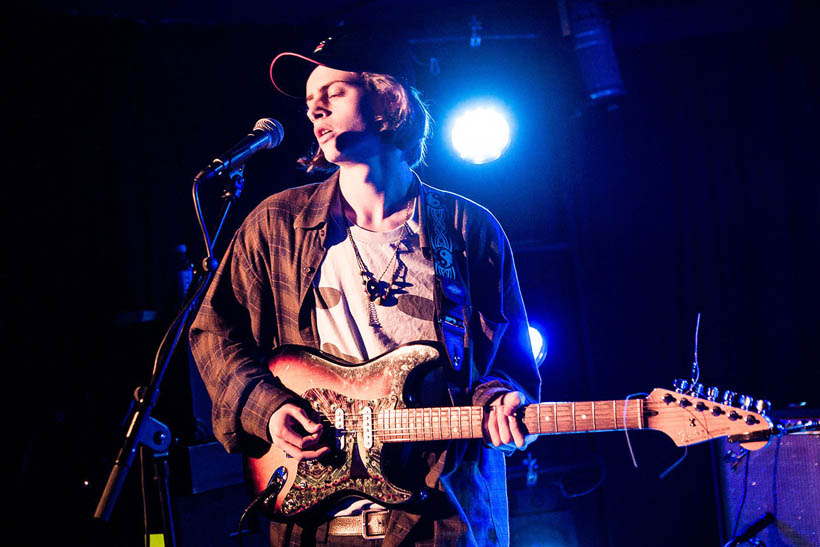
x: 501, y: 428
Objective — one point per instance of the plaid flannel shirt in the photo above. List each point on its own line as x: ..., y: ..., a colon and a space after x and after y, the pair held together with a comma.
x: 260, y: 298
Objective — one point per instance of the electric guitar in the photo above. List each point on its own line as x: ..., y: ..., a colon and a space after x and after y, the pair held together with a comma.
x: 365, y: 410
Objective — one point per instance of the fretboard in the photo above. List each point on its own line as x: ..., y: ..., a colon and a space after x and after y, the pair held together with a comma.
x: 446, y: 423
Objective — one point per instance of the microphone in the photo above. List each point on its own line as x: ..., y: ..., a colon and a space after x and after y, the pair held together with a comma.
x: 267, y: 133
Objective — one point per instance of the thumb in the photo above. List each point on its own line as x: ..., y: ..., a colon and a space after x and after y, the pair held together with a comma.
x: 304, y: 420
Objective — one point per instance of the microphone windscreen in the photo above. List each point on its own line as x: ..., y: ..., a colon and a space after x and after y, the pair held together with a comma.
x: 273, y: 129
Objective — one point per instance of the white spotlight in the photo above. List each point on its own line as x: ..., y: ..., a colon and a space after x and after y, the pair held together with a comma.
x: 539, y: 345
x: 480, y: 134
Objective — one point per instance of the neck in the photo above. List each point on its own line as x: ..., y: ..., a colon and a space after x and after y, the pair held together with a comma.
x: 377, y: 194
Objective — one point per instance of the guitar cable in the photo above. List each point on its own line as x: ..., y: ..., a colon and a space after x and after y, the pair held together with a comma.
x: 626, y: 431
x: 277, y: 481
x: 743, y: 496
x: 695, y: 380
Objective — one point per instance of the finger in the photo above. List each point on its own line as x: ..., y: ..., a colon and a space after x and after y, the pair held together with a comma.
x: 492, y: 427
x: 511, y: 400
x: 517, y: 435
x: 304, y: 420
x: 286, y: 436
x: 504, y: 428
x: 287, y: 448
x: 313, y: 454
x: 282, y: 426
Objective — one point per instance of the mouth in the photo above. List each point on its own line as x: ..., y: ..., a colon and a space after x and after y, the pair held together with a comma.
x: 323, y: 134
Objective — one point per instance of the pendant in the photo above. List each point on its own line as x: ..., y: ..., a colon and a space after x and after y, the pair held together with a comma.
x: 372, y: 288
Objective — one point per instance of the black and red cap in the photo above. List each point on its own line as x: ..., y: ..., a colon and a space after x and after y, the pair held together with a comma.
x: 353, y: 50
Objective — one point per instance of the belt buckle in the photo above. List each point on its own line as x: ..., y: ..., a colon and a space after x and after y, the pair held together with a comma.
x: 365, y: 531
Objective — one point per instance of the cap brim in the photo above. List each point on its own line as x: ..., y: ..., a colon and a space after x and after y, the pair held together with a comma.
x: 289, y: 73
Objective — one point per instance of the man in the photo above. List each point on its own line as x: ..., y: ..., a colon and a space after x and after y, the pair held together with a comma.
x: 357, y: 265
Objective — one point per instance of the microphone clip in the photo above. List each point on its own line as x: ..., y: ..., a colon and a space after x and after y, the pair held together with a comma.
x: 234, y: 185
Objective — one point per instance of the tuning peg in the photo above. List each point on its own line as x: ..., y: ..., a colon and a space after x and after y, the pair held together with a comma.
x: 745, y: 402
x: 763, y: 406
x: 712, y: 393
x: 729, y: 397
x: 697, y: 390
x: 680, y: 385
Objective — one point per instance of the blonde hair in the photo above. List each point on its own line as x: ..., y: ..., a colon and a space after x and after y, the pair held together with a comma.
x: 406, y: 123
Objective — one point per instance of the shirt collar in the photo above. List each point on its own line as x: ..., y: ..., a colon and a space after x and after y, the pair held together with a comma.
x: 320, y: 205
x: 325, y: 205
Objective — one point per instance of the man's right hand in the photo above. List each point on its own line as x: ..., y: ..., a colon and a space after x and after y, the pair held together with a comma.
x: 284, y: 429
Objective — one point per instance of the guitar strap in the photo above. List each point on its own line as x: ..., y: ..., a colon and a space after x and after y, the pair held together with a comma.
x: 451, y: 293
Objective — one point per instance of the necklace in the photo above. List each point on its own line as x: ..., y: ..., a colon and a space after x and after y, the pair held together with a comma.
x: 372, y: 284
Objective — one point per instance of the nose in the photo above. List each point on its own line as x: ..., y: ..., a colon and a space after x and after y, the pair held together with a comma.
x: 317, y: 110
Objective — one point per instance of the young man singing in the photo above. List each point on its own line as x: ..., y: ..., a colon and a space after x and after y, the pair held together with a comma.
x: 357, y: 265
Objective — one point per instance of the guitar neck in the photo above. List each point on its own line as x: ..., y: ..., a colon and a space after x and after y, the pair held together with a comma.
x: 450, y: 423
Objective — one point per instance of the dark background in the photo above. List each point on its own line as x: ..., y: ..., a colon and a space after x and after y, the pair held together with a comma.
x: 695, y: 192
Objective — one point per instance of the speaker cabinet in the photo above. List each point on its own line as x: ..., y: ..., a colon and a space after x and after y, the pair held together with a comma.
x: 783, y: 479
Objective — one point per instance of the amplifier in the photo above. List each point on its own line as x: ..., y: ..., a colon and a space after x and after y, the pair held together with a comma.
x: 782, y: 479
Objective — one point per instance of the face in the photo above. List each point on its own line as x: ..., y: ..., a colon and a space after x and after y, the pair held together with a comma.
x: 341, y: 110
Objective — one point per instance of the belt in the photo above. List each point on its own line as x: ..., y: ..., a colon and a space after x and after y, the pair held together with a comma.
x: 371, y: 524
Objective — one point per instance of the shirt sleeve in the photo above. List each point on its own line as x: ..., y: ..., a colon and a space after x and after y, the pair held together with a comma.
x: 231, y: 337
x: 499, y: 326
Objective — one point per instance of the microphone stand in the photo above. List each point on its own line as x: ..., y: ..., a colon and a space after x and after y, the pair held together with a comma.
x: 145, y: 432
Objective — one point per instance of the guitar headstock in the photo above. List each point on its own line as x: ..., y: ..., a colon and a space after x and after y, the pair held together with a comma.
x: 691, y: 419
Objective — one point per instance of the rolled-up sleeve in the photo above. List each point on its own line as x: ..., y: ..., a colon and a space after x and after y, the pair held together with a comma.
x: 231, y: 336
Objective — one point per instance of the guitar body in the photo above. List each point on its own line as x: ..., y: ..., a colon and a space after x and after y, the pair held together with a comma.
x: 345, y: 396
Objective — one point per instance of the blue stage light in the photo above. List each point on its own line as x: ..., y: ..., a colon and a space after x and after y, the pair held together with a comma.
x: 480, y: 133
x: 539, y: 345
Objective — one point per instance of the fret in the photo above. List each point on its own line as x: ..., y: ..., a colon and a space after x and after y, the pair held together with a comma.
x: 555, y: 416
x: 615, y: 414
x: 640, y: 413
x: 538, y: 413
x: 574, y: 423
x: 594, y: 425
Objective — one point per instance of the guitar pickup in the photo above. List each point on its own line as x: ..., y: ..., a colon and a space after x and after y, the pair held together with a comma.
x: 339, y: 424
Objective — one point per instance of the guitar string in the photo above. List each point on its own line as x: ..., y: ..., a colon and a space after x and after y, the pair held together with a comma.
x: 432, y: 420
x: 417, y: 415
x: 419, y: 429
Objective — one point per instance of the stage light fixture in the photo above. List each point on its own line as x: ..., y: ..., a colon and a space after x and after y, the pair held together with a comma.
x: 539, y: 345
x: 480, y: 133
